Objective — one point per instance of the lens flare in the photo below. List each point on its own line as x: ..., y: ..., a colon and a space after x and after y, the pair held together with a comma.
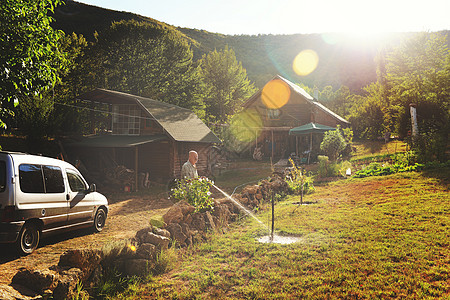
x: 305, y: 62
x: 275, y: 94
x: 246, y: 125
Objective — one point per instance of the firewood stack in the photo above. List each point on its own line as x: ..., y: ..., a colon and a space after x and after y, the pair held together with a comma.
x: 252, y: 195
x: 120, y: 176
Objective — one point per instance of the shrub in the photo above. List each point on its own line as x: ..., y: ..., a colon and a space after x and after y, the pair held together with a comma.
x: 165, y: 261
x: 431, y: 146
x: 297, y: 181
x: 333, y: 144
x: 195, y: 191
x: 113, y: 282
x: 406, y: 158
x: 327, y: 168
x: 375, y: 169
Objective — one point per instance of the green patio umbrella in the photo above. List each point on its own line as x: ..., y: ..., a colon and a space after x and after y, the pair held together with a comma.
x: 310, y: 128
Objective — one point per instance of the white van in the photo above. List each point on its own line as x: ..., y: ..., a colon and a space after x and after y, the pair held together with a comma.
x: 41, y: 195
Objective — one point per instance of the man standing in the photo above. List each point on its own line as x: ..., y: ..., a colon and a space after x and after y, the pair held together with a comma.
x: 189, y: 170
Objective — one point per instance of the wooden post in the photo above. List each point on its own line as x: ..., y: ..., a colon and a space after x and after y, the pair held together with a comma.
x: 273, y: 214
x: 272, y: 145
x: 303, y: 184
x: 136, y: 171
x: 310, y: 147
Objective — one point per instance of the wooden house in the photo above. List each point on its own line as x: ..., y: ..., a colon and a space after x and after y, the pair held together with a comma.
x: 146, y: 135
x: 281, y: 106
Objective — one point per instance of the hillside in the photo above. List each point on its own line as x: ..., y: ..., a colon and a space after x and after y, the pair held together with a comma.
x: 346, y: 61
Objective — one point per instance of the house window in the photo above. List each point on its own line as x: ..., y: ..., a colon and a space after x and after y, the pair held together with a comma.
x: 126, y: 119
x: 148, y: 123
x: 273, y: 114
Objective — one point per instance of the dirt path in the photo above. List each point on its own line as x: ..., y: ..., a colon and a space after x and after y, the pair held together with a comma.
x: 124, y: 219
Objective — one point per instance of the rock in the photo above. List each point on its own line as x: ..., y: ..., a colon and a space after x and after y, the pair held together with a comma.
x: 222, y: 213
x: 187, y: 219
x: 162, y: 232
x: 161, y: 242
x: 233, y: 207
x: 253, y: 189
x: 186, y: 208
x: 38, y: 280
x: 217, y: 222
x: 146, y: 251
x: 189, y: 240
x: 135, y: 267
x: 173, y: 215
x: 85, y: 260
x: 127, y: 251
x: 96, y: 277
x: 177, y: 234
x: 65, y: 288
x: 198, y: 237
x: 210, y: 220
x: 185, y: 229
x: 157, y: 223
x: 139, y: 236
x: 17, y: 292
x: 198, y: 222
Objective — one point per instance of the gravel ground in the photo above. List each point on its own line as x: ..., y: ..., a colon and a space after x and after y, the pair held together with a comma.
x: 124, y: 219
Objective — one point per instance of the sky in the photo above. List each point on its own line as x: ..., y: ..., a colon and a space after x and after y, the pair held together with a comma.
x: 251, y: 17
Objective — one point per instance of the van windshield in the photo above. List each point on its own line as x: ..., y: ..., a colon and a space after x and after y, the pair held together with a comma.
x: 2, y: 176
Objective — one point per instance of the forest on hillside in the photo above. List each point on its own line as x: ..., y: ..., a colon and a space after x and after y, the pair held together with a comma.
x: 343, y: 60
x: 371, y: 83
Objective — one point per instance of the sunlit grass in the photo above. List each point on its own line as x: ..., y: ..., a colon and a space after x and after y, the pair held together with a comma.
x: 370, y: 148
x: 381, y: 237
x: 243, y: 172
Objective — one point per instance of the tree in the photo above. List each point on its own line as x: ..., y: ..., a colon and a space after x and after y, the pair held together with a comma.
x: 134, y: 57
x: 225, y: 84
x: 341, y: 101
x: 146, y: 60
x: 418, y: 71
x: 367, y: 113
x: 333, y: 144
x: 36, y: 115
x: 31, y: 58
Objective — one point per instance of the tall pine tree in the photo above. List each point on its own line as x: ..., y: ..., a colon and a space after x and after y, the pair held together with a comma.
x: 225, y: 84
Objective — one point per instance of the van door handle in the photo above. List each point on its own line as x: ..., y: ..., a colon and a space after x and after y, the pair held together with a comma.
x: 67, y: 197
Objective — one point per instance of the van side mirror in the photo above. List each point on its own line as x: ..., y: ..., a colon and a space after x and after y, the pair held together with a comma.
x: 92, y: 188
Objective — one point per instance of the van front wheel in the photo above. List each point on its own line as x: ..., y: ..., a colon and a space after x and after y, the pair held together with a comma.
x: 99, y: 220
x: 28, y: 239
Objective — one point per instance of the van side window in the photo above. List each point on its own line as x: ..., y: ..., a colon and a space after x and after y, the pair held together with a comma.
x: 54, y: 182
x: 31, y: 179
x: 2, y: 176
x: 75, y: 182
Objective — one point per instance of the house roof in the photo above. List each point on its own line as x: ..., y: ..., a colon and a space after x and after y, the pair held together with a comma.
x: 298, y: 90
x: 181, y: 124
x: 117, y: 141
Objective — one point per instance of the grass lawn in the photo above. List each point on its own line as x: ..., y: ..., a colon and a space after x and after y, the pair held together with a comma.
x: 371, y: 238
x: 369, y: 148
x: 243, y: 172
